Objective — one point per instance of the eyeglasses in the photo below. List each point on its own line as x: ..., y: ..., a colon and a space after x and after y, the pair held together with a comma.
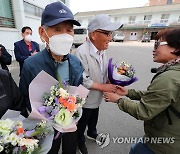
x: 107, y: 33
x: 158, y: 43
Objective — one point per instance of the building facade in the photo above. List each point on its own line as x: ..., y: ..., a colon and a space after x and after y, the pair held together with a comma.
x: 140, y: 20
x: 163, y: 2
x: 14, y: 14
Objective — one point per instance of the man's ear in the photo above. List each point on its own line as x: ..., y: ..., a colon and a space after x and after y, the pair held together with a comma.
x: 92, y: 36
x: 41, y: 33
x: 22, y: 35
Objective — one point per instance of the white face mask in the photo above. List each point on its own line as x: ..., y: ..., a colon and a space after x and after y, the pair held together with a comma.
x: 60, y: 44
x: 28, y: 38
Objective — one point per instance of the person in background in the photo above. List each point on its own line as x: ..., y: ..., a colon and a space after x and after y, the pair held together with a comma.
x: 159, y: 105
x: 5, y: 58
x: 25, y: 47
x: 92, y: 55
x: 57, y: 32
x: 10, y: 96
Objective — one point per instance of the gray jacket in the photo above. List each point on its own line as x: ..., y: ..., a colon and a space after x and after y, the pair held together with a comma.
x: 92, y: 73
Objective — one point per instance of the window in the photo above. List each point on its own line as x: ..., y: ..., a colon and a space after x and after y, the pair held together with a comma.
x: 164, y: 18
x: 6, y: 14
x: 132, y: 19
x: 169, y: 1
x: 32, y: 9
x: 80, y: 31
x: 147, y: 19
x: 117, y: 19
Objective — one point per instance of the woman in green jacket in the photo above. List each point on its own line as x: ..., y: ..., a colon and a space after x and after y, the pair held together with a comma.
x: 159, y: 106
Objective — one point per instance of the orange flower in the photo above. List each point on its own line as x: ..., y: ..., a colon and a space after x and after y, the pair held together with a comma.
x: 69, y: 103
x: 72, y: 103
x: 20, y: 130
x: 121, y: 68
x: 63, y: 101
x: 71, y: 107
x: 72, y: 99
x: 121, y: 71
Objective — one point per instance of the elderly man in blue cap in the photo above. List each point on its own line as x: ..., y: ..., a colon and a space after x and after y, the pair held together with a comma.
x: 57, y: 32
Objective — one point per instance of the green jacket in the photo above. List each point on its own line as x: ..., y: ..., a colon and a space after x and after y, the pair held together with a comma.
x: 150, y: 107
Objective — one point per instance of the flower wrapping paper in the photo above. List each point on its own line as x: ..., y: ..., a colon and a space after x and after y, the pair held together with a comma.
x: 45, y: 142
x: 120, y: 80
x: 41, y: 84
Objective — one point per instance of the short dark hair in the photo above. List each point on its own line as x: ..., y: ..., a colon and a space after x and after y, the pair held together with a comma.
x: 172, y: 37
x: 24, y: 29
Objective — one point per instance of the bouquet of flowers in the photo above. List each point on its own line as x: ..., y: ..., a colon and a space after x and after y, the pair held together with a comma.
x: 16, y: 137
x: 121, y: 74
x: 63, y: 108
x: 60, y: 106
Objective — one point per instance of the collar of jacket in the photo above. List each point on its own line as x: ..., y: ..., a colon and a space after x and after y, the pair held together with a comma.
x: 75, y: 69
x: 92, y: 53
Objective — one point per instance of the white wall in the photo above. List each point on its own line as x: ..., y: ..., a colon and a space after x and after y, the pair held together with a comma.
x: 34, y: 23
x: 11, y: 35
x: 41, y: 3
x: 8, y: 37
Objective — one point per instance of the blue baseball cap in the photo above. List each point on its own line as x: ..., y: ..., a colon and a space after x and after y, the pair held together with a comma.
x: 56, y: 13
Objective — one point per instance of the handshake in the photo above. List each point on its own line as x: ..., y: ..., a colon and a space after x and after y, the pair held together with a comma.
x: 114, y: 93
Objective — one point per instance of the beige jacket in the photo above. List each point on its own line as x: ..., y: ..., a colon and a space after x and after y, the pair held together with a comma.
x: 92, y: 73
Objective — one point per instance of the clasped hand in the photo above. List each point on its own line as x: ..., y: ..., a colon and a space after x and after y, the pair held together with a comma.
x: 114, y: 97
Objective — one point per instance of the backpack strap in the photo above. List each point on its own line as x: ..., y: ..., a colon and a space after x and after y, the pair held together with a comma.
x: 168, y: 117
x: 176, y: 112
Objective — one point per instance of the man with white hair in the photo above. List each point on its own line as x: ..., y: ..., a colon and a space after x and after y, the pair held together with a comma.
x: 57, y: 32
x: 92, y: 56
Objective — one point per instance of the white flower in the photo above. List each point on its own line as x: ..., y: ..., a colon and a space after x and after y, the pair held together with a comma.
x: 6, y: 139
x: 63, y: 117
x: 57, y: 93
x: 63, y: 93
x: 6, y: 126
x: 14, y: 139
x: 51, y: 98
x: 1, y: 148
x: 42, y: 123
x: 52, y: 88
x: 30, y: 144
x: 19, y: 124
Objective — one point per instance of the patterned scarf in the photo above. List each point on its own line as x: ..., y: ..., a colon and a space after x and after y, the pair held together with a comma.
x: 168, y: 64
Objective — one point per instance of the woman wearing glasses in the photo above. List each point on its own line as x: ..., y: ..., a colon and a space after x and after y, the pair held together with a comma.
x: 159, y: 106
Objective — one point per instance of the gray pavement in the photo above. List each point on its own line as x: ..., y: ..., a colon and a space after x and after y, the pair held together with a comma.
x: 111, y: 120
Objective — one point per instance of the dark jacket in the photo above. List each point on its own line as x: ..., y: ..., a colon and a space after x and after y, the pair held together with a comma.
x: 10, y: 96
x: 5, y: 58
x: 43, y: 61
x: 22, y: 52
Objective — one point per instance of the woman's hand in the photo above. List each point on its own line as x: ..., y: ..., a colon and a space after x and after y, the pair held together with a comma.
x: 111, y: 97
x: 122, y: 91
